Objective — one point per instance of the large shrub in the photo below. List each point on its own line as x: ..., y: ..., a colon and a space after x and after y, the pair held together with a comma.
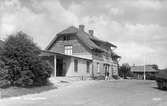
x: 4, y: 83
x: 22, y: 61
x: 161, y: 79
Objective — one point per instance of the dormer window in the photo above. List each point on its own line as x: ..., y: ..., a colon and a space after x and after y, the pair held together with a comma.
x: 66, y: 37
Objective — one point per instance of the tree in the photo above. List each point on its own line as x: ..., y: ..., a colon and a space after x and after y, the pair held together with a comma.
x: 155, y: 66
x: 22, y: 61
x: 124, y: 70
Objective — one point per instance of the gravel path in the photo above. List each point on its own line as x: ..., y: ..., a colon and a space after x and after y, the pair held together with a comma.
x: 96, y: 93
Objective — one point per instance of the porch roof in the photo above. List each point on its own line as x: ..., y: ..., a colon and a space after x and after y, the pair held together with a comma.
x: 50, y: 53
x: 148, y: 68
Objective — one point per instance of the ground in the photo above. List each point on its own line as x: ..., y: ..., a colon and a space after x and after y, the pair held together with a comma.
x: 97, y: 93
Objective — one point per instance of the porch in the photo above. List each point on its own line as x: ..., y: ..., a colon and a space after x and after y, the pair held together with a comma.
x: 67, y: 65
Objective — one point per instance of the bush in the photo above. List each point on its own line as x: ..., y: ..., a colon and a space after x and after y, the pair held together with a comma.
x: 3, y: 76
x: 100, y: 77
x: 115, y: 77
x: 3, y: 73
x: 21, y: 58
x: 161, y: 79
x: 150, y: 77
x: 4, y: 83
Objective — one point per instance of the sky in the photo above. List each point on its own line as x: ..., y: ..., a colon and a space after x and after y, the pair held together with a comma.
x: 137, y: 27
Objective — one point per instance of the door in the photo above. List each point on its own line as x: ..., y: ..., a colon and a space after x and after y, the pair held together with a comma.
x: 59, y: 67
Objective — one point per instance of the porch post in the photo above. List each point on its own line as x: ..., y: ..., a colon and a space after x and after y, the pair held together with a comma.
x: 55, y: 61
x: 92, y: 72
x: 110, y: 70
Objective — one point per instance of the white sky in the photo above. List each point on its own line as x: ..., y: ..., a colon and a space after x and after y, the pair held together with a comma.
x: 125, y: 23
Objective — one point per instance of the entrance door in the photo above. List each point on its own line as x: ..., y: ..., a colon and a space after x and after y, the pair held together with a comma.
x: 59, y: 67
x: 106, y: 68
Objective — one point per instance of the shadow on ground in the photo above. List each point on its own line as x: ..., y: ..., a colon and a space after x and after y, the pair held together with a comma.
x: 18, y: 91
x: 163, y: 90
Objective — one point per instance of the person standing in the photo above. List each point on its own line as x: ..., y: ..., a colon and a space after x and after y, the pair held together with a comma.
x: 108, y: 75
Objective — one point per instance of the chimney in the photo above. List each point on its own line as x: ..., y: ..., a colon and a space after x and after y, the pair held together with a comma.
x: 91, y: 32
x: 81, y: 27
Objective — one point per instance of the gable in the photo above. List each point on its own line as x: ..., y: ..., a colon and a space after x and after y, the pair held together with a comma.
x: 70, y: 30
x: 77, y: 46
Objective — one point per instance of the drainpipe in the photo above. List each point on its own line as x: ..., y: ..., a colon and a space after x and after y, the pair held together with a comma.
x: 118, y: 64
x: 93, y: 71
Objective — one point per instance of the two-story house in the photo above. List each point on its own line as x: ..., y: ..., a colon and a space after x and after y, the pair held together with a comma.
x: 74, y: 52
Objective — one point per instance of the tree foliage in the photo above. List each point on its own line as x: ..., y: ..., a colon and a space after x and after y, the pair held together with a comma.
x: 155, y: 66
x: 22, y: 61
x: 124, y: 70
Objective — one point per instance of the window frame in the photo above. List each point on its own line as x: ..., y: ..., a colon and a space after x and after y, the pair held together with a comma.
x: 66, y: 37
x: 68, y: 49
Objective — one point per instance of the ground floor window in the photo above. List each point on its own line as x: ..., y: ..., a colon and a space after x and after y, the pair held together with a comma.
x: 75, y: 65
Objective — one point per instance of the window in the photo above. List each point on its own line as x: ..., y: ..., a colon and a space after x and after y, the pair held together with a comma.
x: 88, y: 64
x: 66, y: 37
x: 68, y: 49
x: 75, y: 65
x: 98, y: 67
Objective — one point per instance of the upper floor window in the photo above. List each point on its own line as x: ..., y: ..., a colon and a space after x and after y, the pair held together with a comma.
x: 66, y: 37
x: 68, y: 49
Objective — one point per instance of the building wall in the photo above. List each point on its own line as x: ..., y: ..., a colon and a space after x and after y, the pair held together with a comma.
x: 140, y: 75
x: 115, y: 68
x: 82, y: 68
x: 78, y: 49
x: 101, y: 68
x: 68, y: 65
x: 103, y: 59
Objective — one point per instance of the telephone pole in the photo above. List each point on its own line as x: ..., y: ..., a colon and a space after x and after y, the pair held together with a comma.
x: 144, y: 69
x: 144, y: 61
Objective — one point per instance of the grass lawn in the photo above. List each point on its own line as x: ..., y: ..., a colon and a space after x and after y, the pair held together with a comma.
x: 18, y: 91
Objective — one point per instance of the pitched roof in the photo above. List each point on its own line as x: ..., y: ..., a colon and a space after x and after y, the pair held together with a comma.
x: 148, y: 68
x: 50, y: 53
x: 84, y: 37
x: 69, y: 30
x: 115, y: 55
x: 104, y: 42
